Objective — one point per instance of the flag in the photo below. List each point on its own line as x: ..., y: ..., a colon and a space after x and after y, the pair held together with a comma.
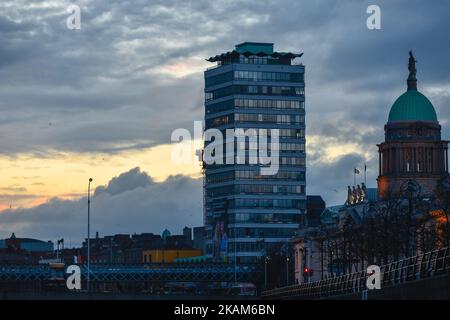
x: 365, y: 167
x: 356, y: 171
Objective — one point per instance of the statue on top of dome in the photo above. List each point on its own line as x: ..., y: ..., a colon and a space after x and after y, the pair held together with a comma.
x: 412, y: 67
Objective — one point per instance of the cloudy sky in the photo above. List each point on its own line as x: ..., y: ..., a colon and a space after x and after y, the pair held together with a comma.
x: 102, y: 101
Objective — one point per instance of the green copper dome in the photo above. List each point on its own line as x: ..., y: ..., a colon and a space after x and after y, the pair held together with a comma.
x: 412, y: 106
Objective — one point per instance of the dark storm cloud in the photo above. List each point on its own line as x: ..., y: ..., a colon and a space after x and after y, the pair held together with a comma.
x: 126, y: 182
x: 129, y: 203
x: 101, y: 89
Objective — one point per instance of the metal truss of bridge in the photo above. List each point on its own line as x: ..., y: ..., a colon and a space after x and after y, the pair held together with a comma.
x: 423, y: 266
x: 148, y: 273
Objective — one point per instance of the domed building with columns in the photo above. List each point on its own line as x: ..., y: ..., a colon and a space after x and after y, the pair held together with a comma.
x: 407, y: 213
x: 413, y: 148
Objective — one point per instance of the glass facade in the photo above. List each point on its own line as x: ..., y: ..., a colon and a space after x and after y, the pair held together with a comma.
x: 245, y: 211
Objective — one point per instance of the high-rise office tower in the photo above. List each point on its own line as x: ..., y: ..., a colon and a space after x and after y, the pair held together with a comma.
x: 246, y: 211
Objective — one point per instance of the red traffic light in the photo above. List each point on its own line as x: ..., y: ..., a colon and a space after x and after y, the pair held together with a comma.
x: 307, y: 272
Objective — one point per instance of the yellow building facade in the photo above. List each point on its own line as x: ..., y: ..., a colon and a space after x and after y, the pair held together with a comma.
x: 168, y: 255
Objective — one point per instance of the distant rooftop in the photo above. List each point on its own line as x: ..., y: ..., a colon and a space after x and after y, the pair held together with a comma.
x: 255, y: 47
x: 372, y: 194
x: 258, y: 49
x: 331, y: 214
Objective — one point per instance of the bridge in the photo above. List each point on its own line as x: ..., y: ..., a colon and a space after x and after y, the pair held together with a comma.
x: 125, y: 278
x: 157, y: 272
x: 424, y: 276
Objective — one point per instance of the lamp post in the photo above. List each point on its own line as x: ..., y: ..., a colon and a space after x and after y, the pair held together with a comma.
x: 89, y: 236
x: 287, y: 270
x: 235, y: 261
x: 412, y: 192
x: 266, y: 261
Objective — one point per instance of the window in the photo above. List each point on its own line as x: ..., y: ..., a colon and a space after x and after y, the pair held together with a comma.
x: 299, y: 91
x: 261, y: 232
x: 221, y: 106
x: 245, y: 89
x: 273, y: 104
x: 269, y: 118
x: 208, y: 96
x: 264, y: 90
x: 267, y: 76
x: 252, y: 89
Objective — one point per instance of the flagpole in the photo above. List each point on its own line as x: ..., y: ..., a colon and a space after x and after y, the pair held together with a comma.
x: 365, y: 173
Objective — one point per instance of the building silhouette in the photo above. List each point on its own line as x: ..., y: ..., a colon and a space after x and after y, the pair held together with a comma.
x: 254, y: 87
x: 24, y: 250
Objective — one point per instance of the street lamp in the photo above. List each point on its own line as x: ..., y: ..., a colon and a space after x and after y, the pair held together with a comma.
x: 412, y: 193
x: 411, y: 188
x: 287, y: 270
x: 266, y: 261
x: 89, y: 236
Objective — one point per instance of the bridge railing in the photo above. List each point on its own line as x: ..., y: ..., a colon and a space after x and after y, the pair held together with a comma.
x: 409, y: 269
x: 149, y: 272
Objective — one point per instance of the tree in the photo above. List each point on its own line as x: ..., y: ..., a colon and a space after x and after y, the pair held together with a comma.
x: 443, y: 211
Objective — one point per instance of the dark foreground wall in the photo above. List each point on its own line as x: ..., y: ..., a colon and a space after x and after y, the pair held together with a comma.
x: 108, y: 296
x: 436, y: 288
